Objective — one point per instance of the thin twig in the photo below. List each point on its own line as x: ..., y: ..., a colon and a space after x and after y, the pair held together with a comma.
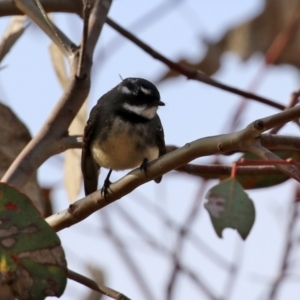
x: 147, y: 237
x: 39, y: 16
x: 53, y: 27
x: 233, y: 274
x: 87, y: 7
x: 275, y: 50
x: 96, y: 287
x: 195, y: 240
x: 179, y: 245
x: 289, y: 169
x: 69, y: 142
x: 96, y: 22
x: 8, y: 7
x: 128, y: 260
x: 151, y: 16
x: 293, y: 101
x: 290, y: 242
x: 190, y: 73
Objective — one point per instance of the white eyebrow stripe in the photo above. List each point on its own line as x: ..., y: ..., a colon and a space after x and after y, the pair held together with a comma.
x: 142, y: 110
x: 126, y: 90
x: 146, y: 91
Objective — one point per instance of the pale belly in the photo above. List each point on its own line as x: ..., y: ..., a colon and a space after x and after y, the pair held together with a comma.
x: 120, y: 153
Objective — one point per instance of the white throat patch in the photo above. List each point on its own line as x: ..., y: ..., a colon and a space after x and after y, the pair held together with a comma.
x: 142, y: 110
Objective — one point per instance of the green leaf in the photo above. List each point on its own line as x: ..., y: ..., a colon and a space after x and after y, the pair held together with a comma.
x: 230, y: 207
x: 32, y: 261
x: 263, y: 181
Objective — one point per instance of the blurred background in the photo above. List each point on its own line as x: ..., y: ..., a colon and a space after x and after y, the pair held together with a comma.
x: 158, y: 242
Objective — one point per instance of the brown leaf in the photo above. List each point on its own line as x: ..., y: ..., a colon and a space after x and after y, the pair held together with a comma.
x: 58, y: 61
x: 14, y: 136
x: 14, y: 30
x: 72, y: 170
x: 276, y: 28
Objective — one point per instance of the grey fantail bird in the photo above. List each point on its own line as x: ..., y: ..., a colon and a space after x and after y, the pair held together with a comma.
x: 123, y: 131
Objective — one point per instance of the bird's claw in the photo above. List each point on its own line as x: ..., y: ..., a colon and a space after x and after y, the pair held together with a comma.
x: 144, y: 166
x: 104, y: 190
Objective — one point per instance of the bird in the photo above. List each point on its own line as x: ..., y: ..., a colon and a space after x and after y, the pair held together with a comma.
x: 123, y: 131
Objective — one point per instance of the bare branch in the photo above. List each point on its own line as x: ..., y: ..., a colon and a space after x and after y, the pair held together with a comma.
x: 218, y: 171
x: 164, y: 251
x: 244, y: 140
x: 82, y: 55
x: 179, y: 245
x: 197, y: 242
x: 280, y: 142
x: 293, y: 102
x: 288, y: 169
x: 96, y: 287
x: 187, y: 71
x: 69, y: 142
x: 131, y: 264
x: 289, y: 245
x: 46, y: 143
x: 8, y: 8
x: 39, y: 16
x: 96, y: 22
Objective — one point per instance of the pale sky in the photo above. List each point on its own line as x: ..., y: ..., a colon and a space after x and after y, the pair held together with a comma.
x: 193, y: 110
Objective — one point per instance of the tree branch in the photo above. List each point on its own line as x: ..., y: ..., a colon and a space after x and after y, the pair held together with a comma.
x: 37, y: 13
x: 179, y: 246
x: 56, y: 126
x: 244, y: 140
x: 8, y: 8
x: 96, y: 287
x: 127, y: 258
x: 289, y: 245
x: 190, y: 73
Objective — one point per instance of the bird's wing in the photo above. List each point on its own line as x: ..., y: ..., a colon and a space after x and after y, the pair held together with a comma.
x: 89, y: 167
x: 160, y: 142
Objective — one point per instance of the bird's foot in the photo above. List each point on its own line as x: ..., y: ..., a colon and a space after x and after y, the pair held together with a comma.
x: 104, y: 190
x: 144, y: 166
x: 106, y: 184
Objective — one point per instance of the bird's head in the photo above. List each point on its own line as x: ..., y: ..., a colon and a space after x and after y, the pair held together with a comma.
x: 139, y: 96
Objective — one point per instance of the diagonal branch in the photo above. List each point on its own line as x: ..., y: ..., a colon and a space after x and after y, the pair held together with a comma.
x: 244, y: 140
x: 127, y: 257
x: 82, y: 55
x: 288, y: 169
x: 179, y: 246
x: 190, y: 73
x: 8, y: 8
x: 288, y: 248
x: 37, y: 13
x: 96, y: 287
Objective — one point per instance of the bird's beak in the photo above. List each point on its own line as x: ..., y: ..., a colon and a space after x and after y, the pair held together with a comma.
x: 160, y: 103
